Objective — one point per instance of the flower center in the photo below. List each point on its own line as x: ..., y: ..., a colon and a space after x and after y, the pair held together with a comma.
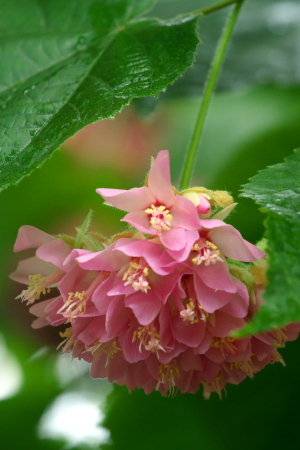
x: 160, y: 217
x: 136, y: 275
x: 75, y: 306
x: 189, y: 314
x: 193, y: 313
x: 39, y: 285
x: 207, y: 252
x: 149, y: 338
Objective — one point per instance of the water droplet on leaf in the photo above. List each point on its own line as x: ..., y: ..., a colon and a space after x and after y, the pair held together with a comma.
x: 80, y: 42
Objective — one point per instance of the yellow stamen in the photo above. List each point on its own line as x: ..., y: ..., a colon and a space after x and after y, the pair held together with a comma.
x: 149, y: 338
x: 160, y: 217
x: 136, y: 276
x: 244, y: 366
x: 74, y: 306
x: 189, y: 314
x: 167, y: 374
x: 207, y: 253
x: 67, y: 343
x: 213, y: 386
x: 109, y: 348
x: 224, y: 343
x: 37, y: 286
x: 280, y: 337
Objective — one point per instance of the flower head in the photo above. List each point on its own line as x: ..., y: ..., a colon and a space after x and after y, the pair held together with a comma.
x: 157, y: 208
x: 155, y: 309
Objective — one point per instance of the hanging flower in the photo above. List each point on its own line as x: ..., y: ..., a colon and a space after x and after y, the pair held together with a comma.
x: 155, y: 309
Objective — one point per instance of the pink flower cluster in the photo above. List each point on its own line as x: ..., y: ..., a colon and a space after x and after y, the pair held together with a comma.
x: 155, y: 307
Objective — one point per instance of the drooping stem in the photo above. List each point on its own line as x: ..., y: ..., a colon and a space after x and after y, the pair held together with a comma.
x: 207, y: 95
x: 210, y: 9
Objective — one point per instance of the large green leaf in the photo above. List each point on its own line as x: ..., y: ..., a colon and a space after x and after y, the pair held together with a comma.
x: 71, y: 63
x: 277, y: 190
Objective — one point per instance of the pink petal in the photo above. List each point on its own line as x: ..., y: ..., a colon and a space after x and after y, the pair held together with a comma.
x: 140, y: 220
x: 76, y: 253
x: 178, y: 291
x: 31, y: 237
x: 100, y: 297
x: 75, y: 280
x: 165, y: 319
x: 150, y: 251
x: 205, y: 344
x: 131, y: 351
x: 89, y: 329
x: 210, y: 370
x: 55, y: 252
x: 106, y: 259
x: 166, y: 357
x: 159, y: 180
x: 132, y: 200
x: 39, y: 309
x: 188, y: 333
x: 98, y: 367
x: 184, y: 381
x: 216, y: 276
x: 215, y: 355
x: 120, y: 289
x: 210, y: 299
x: 244, y: 350
x: 230, y: 241
x: 54, y: 305
x: 224, y: 324
x: 52, y: 308
x: 184, y: 214
x: 144, y: 306
x: 174, y: 239
x: 163, y: 286
x: 209, y: 224
x: 31, y: 266
x: 195, y: 381
x: 152, y: 364
x: 39, y: 323
x: 261, y: 349
x: 181, y: 255
x: 116, y: 317
x: 118, y: 368
x: 239, y: 302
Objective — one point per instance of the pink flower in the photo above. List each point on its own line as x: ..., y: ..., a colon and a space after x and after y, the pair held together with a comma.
x: 229, y: 241
x: 136, y: 275
x: 156, y: 311
x: 43, y: 270
x: 157, y: 209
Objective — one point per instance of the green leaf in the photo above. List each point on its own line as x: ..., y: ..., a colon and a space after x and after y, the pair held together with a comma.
x: 81, y: 232
x: 72, y: 63
x: 277, y: 190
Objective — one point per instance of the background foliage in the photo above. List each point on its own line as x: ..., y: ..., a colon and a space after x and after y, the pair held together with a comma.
x: 253, y: 123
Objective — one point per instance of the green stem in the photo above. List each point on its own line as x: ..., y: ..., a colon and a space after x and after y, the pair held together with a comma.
x: 208, y: 91
x: 215, y: 7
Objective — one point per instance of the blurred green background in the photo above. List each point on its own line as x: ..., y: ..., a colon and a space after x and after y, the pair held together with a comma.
x: 48, y: 401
